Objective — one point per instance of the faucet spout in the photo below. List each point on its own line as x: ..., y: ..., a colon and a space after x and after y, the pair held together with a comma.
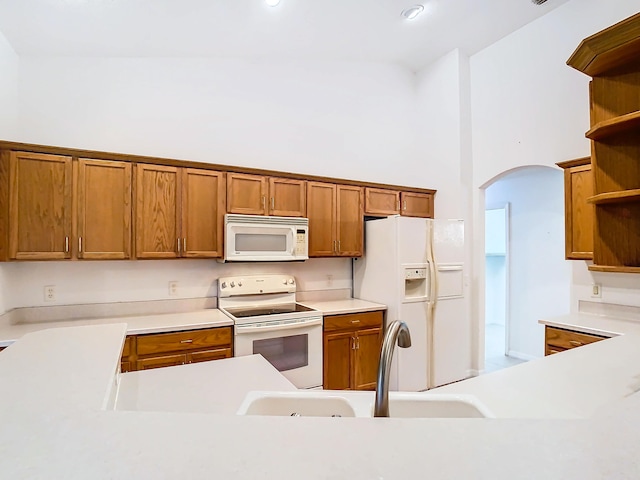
x: 396, y: 332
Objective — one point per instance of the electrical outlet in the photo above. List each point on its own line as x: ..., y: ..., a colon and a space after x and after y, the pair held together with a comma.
x: 596, y: 290
x: 50, y: 293
x: 173, y: 288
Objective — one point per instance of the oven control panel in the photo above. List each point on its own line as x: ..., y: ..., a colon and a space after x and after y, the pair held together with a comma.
x: 256, y: 285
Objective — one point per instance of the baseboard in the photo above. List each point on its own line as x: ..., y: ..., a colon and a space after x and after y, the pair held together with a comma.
x: 521, y: 356
x: 473, y: 373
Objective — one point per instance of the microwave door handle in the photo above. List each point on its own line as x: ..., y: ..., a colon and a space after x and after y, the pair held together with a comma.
x: 242, y: 329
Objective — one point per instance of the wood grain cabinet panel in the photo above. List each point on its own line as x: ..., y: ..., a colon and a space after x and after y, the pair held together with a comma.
x: 157, y: 211
x: 104, y: 210
x: 612, y: 58
x: 259, y: 195
x: 40, y: 199
x: 558, y: 339
x: 157, y: 350
x: 336, y: 215
x: 416, y: 204
x: 351, y: 350
x: 203, y: 207
x: 381, y: 202
x: 579, y: 214
x: 179, y: 212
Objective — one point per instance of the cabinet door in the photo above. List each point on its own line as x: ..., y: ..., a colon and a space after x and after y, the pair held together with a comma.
x: 39, y: 206
x: 381, y: 202
x: 207, y: 355
x: 246, y: 194
x: 287, y: 197
x: 163, y: 361
x: 579, y: 214
x: 321, y: 211
x: 367, y: 357
x: 104, y: 209
x: 337, y: 359
x: 203, y: 207
x: 350, y: 230
x: 157, y: 220
x: 417, y: 204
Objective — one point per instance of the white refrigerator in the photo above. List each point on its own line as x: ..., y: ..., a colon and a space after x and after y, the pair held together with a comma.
x: 415, y: 266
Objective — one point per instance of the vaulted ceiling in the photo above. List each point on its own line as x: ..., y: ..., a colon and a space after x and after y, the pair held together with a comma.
x: 363, y: 30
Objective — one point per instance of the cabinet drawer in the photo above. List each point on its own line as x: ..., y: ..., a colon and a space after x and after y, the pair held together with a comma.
x: 565, y: 339
x: 181, y: 341
x: 352, y: 321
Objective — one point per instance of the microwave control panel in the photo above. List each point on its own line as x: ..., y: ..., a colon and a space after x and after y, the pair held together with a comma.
x: 301, y: 242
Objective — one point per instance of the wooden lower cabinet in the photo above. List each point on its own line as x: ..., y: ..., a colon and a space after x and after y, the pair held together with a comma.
x: 351, y: 350
x: 155, y: 350
x: 558, y: 339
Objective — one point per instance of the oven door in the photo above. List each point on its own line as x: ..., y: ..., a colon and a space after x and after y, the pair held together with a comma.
x: 295, y: 349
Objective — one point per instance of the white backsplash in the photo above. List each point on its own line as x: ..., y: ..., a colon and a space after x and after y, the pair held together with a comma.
x: 108, y: 282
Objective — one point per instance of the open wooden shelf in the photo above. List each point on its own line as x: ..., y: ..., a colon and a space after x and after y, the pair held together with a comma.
x: 613, y: 269
x: 621, y: 124
x: 609, y: 49
x: 623, y: 196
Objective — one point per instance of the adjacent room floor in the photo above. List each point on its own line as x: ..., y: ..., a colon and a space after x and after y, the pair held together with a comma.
x: 494, y: 357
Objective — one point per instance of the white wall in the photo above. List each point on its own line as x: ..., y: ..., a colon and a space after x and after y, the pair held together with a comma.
x: 349, y: 120
x: 111, y: 281
x: 530, y: 108
x: 9, y: 69
x: 539, y: 276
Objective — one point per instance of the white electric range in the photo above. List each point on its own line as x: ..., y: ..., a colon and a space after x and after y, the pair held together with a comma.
x: 269, y: 321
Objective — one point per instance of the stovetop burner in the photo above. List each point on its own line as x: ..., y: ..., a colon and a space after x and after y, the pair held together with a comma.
x: 244, y: 312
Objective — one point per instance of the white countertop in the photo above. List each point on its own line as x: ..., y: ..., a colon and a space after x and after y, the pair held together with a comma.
x: 348, y: 305
x: 594, y: 324
x: 207, y: 387
x: 139, y: 324
x: 55, y: 428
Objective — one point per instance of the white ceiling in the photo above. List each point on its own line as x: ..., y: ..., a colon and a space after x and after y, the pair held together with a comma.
x: 368, y: 30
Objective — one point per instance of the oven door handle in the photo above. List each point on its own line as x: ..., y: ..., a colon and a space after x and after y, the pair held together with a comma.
x: 242, y: 329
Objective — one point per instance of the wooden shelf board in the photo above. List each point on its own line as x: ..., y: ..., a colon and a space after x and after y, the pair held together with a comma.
x: 616, y: 197
x: 608, y: 49
x: 620, y: 124
x: 610, y: 268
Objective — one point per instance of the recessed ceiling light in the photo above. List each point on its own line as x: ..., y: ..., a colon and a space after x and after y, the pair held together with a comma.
x: 412, y: 12
x: 272, y: 3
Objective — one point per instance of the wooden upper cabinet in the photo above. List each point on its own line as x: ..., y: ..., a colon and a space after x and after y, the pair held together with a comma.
x: 381, y: 202
x: 39, y: 207
x: 350, y: 218
x: 335, y: 220
x: 287, y: 197
x: 104, y: 209
x: 203, y: 207
x: 321, y: 210
x: 258, y: 195
x: 246, y: 194
x: 157, y: 212
x: 416, y: 204
x: 579, y: 214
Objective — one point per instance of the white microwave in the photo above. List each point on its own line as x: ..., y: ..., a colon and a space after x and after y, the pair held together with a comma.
x: 256, y: 238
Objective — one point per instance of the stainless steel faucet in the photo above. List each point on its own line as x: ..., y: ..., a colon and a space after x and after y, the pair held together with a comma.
x: 397, y: 331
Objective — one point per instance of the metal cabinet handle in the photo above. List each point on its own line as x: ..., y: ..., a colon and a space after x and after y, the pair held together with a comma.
x: 398, y: 205
x: 186, y: 341
x: 178, y: 245
x: 80, y: 244
x: 353, y: 343
x: 404, y: 205
x: 66, y: 244
x: 339, y: 247
x: 184, y: 244
x: 355, y: 321
x: 334, y: 246
x: 358, y: 344
x: 273, y: 203
x: 575, y: 343
x: 263, y: 200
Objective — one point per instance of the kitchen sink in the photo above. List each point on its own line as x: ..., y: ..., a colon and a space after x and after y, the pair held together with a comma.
x: 410, y: 405
x: 294, y: 404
